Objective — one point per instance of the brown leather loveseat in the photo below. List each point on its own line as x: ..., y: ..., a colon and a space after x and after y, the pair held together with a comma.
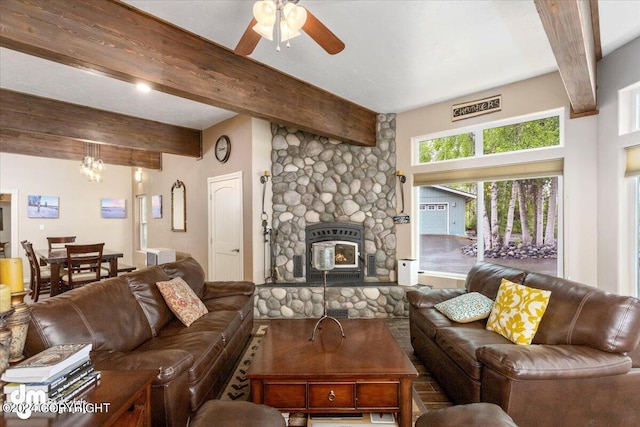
x: 582, y: 368
x: 130, y: 326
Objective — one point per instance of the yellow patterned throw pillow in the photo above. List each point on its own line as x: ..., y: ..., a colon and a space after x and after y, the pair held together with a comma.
x: 517, y: 312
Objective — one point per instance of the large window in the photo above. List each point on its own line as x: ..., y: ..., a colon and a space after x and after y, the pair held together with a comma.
x: 507, y: 213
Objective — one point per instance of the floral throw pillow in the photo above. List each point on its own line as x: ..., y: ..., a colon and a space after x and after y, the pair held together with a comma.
x: 182, y: 301
x: 466, y: 308
x: 517, y: 312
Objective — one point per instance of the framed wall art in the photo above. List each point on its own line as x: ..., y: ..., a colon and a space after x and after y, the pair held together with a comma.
x: 113, y: 208
x: 156, y: 207
x: 43, y: 206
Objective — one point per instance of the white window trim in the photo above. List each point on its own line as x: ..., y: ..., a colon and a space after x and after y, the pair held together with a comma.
x: 478, y: 130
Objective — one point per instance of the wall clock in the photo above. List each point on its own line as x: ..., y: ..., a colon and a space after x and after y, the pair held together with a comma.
x: 223, y: 148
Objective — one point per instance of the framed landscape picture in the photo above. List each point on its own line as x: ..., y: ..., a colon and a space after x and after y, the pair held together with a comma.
x: 114, y: 208
x: 43, y: 206
x: 156, y: 207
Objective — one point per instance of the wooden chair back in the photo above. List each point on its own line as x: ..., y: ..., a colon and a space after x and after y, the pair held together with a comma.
x: 60, y: 242
x: 84, y: 264
x: 40, y: 280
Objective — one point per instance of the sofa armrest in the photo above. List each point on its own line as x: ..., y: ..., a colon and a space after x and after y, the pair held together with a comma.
x: 170, y: 363
x: 427, y: 297
x: 227, y: 289
x: 538, y: 362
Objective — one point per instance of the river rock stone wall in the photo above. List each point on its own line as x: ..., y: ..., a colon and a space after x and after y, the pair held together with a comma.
x: 364, y: 302
x: 316, y: 179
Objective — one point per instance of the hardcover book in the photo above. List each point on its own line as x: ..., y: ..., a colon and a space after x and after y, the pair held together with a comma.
x: 45, y: 365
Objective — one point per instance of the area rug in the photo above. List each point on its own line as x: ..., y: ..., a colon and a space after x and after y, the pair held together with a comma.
x: 238, y: 387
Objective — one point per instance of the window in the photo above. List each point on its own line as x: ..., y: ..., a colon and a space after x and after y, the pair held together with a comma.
x: 446, y: 148
x: 629, y: 109
x: 142, y: 210
x: 508, y: 138
x: 522, y: 136
x: 506, y: 211
x: 518, y: 226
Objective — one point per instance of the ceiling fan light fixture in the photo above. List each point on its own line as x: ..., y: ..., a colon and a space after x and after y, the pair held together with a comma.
x: 265, y: 31
x: 265, y: 12
x: 295, y: 16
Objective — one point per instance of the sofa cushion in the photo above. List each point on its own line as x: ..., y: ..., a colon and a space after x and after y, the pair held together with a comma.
x: 143, y: 286
x: 104, y: 313
x: 430, y: 320
x: 517, y: 312
x: 486, y: 278
x: 182, y: 301
x: 583, y: 315
x: 190, y: 271
x: 428, y: 297
x: 226, y: 323
x: 461, y: 344
x: 466, y: 308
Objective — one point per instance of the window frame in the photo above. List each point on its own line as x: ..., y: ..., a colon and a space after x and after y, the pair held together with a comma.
x: 482, y: 161
x: 478, y: 131
x: 143, y: 221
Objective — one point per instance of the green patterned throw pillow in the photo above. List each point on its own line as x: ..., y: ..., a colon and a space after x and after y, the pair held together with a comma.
x: 466, y: 308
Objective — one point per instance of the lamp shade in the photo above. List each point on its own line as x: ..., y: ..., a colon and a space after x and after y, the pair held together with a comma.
x: 265, y: 12
x: 295, y: 16
x: 11, y: 273
x: 324, y: 256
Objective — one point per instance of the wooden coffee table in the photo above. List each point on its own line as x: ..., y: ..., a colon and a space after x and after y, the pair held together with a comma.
x: 365, y: 372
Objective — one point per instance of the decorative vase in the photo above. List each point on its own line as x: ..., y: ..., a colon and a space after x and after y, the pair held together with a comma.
x: 18, y: 323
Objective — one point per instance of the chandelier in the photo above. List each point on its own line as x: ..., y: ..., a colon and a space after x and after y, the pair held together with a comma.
x: 286, y: 14
x: 92, y: 165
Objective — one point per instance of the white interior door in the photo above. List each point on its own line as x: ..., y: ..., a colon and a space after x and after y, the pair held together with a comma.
x: 225, y: 227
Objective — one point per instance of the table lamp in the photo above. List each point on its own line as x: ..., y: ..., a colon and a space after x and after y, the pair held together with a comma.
x: 324, y: 259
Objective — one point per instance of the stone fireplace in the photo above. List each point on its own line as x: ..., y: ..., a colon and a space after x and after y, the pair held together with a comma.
x: 322, y: 188
x: 316, y: 181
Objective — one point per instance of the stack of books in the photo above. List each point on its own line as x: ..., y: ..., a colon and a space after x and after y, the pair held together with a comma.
x: 62, y: 372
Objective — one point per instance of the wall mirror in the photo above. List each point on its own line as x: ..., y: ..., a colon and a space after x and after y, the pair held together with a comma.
x: 178, y: 206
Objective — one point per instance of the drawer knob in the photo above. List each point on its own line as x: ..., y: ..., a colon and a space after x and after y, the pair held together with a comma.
x: 331, y: 396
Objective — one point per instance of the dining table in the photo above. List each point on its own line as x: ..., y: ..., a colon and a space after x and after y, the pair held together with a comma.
x: 56, y: 258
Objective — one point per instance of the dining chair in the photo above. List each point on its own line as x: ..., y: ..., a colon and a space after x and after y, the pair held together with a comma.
x: 40, y: 276
x: 60, y: 242
x: 87, y: 265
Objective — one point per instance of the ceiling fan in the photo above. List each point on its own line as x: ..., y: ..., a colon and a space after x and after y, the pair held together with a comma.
x: 290, y: 19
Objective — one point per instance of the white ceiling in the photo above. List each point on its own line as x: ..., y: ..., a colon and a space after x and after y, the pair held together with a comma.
x: 399, y: 54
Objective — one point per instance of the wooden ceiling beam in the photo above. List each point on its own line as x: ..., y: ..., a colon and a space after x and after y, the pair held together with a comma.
x: 59, y: 147
x: 33, y: 114
x: 570, y: 27
x: 125, y: 43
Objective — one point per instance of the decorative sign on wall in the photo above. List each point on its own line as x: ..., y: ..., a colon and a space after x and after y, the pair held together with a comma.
x: 476, y: 108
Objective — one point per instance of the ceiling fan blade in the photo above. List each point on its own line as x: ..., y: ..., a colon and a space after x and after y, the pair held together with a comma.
x: 322, y: 35
x: 248, y: 41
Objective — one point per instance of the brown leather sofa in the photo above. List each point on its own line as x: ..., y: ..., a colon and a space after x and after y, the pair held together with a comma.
x: 583, y: 367
x: 131, y: 327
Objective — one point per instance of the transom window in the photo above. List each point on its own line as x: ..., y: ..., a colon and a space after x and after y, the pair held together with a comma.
x: 527, y: 135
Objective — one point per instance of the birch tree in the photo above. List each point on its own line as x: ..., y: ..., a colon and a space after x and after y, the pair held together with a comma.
x: 550, y: 231
x: 510, y: 213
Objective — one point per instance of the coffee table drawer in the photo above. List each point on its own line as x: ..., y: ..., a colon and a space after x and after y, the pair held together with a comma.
x: 378, y: 395
x: 332, y: 395
x: 285, y: 396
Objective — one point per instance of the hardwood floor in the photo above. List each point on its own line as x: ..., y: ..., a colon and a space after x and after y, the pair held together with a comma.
x: 427, y: 387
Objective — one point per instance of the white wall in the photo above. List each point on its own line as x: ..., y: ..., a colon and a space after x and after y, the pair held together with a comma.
x: 79, y: 202
x: 616, y: 201
x: 535, y: 95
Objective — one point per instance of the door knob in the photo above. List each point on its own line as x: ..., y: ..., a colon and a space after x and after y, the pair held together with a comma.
x: 235, y: 250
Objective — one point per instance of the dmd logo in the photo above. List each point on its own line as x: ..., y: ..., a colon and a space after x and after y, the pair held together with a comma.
x: 24, y: 402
